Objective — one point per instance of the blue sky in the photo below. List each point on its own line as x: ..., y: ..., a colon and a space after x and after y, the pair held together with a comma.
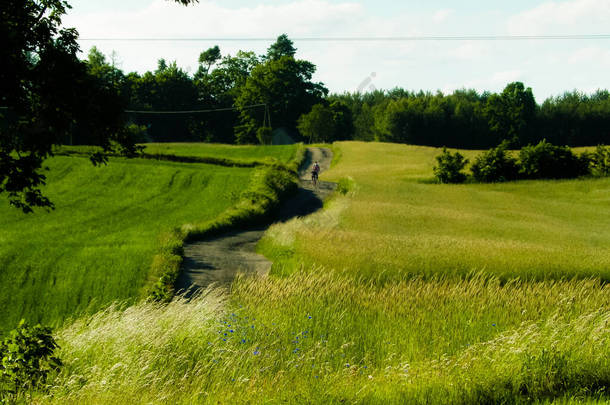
x: 549, y: 67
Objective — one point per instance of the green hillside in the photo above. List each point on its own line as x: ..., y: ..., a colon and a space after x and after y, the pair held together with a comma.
x: 97, y: 246
x: 399, y: 225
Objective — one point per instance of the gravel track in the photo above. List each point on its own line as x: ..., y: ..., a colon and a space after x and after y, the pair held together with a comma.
x: 219, y: 259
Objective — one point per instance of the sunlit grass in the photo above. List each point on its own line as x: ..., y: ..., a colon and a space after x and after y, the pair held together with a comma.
x: 97, y: 245
x: 323, y: 338
x: 245, y: 153
x: 397, y: 225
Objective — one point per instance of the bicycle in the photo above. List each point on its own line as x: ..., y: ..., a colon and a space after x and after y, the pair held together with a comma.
x: 314, y: 178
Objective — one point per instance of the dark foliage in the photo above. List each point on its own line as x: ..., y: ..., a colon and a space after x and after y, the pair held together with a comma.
x: 26, y: 359
x: 47, y: 95
x: 449, y: 167
x: 600, y: 161
x: 467, y: 119
x: 495, y: 165
x: 548, y: 161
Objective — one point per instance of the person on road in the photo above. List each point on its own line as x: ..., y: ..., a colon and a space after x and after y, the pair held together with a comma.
x: 315, y: 171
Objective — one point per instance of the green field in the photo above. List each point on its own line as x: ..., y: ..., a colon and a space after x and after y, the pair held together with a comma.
x: 240, y: 153
x: 98, y: 244
x: 398, y: 225
x: 399, y: 291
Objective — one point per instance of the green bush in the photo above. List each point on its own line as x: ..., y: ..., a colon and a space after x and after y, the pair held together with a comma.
x: 600, y: 161
x: 450, y: 166
x: 547, y: 161
x: 26, y: 356
x: 495, y: 165
x: 345, y: 185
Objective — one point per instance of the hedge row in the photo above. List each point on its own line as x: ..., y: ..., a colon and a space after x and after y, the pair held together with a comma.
x: 541, y: 161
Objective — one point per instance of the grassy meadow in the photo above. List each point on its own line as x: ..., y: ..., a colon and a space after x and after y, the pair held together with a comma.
x: 234, y: 152
x: 398, y: 225
x: 362, y: 305
x: 97, y: 246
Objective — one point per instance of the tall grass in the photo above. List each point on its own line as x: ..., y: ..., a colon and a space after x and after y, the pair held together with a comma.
x: 326, y: 338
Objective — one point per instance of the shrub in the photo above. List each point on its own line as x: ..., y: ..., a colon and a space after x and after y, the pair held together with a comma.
x: 600, y: 161
x: 547, y: 161
x: 495, y: 165
x: 26, y: 358
x: 345, y: 185
x: 450, y: 166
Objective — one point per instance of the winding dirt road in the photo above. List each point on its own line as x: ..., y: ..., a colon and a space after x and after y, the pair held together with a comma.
x: 219, y: 259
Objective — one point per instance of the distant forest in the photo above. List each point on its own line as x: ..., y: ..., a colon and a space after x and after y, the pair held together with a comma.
x: 271, y: 97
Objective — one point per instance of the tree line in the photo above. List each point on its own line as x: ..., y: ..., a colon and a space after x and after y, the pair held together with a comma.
x: 302, y: 109
x: 232, y: 98
x: 469, y: 120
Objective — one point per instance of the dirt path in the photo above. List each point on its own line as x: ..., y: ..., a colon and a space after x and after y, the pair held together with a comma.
x: 219, y: 259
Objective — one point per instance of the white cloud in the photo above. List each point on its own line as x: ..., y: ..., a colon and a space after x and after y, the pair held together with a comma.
x: 591, y: 55
x: 549, y: 67
x: 564, y: 17
x: 209, y: 19
x: 471, y: 51
x: 442, y: 15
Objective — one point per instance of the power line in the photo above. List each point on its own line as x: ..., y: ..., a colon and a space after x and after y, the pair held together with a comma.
x: 373, y: 39
x: 195, y: 111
